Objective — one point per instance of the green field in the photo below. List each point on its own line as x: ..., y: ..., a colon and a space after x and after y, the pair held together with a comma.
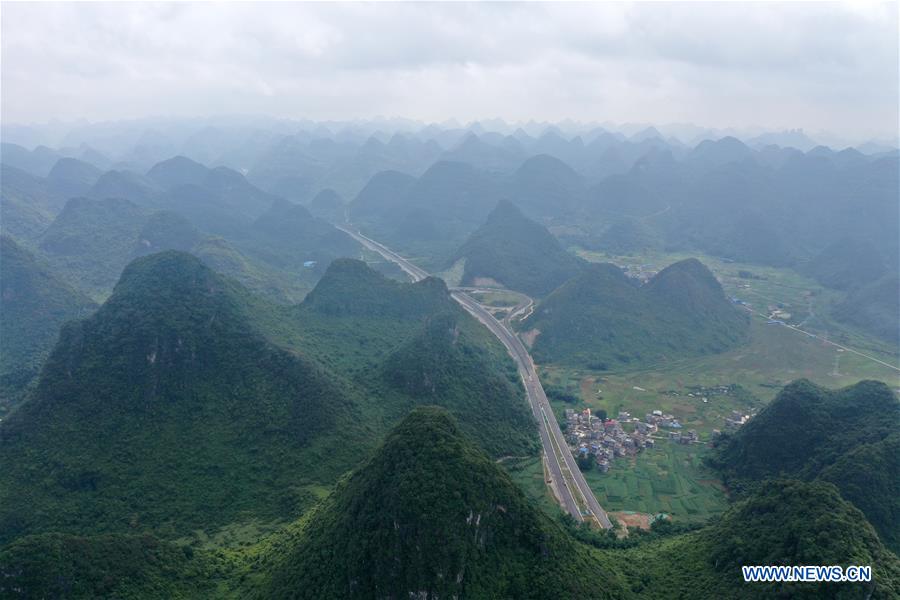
x: 497, y: 298
x: 528, y: 473
x: 668, y: 479
x: 671, y: 477
x: 774, y: 356
x: 807, y: 301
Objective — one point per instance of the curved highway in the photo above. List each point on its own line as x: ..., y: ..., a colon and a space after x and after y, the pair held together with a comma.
x: 563, y: 468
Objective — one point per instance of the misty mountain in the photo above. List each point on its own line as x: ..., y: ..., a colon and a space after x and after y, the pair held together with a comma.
x: 27, y: 204
x: 36, y: 302
x: 71, y: 177
x: 603, y: 320
x: 517, y: 253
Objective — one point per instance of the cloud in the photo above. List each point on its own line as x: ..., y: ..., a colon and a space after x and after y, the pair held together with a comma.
x: 817, y: 66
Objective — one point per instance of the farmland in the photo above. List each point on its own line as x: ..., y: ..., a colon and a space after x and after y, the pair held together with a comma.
x: 668, y: 479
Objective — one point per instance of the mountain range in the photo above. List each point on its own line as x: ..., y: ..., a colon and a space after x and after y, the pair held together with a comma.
x: 182, y: 383
x: 429, y: 514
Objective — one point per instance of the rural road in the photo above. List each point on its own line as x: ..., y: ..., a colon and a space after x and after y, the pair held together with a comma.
x: 563, y: 468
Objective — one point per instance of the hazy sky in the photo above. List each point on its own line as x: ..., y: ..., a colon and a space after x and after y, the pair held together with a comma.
x: 817, y: 66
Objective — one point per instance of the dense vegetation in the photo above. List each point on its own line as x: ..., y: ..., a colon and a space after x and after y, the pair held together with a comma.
x: 177, y: 373
x: 270, y: 245
x: 91, y: 241
x: 407, y: 344
x: 603, y: 320
x: 874, y: 308
x: 187, y: 404
x: 848, y: 437
x: 450, y: 364
x: 157, y: 411
x: 429, y: 515
x: 783, y: 523
x: 130, y: 567
x: 516, y: 252
x: 27, y: 204
x: 432, y: 214
x: 35, y: 305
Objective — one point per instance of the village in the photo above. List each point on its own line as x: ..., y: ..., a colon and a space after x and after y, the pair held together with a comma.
x: 591, y: 438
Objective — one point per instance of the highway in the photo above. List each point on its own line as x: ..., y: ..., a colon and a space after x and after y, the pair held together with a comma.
x: 563, y: 469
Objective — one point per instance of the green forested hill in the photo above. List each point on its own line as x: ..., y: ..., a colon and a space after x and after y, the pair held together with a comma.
x: 429, y: 515
x: 452, y: 363
x: 328, y: 205
x: 165, y: 230
x: 874, y: 307
x: 847, y: 437
x: 287, y: 236
x: 517, y: 252
x: 71, y: 177
x: 124, y: 184
x: 847, y: 264
x: 157, y: 412
x: 91, y: 241
x: 405, y: 344
x: 27, y: 204
x: 784, y: 522
x: 603, y: 320
x: 351, y: 288
x: 176, y: 171
x: 133, y: 566
x: 180, y: 373
x: 35, y: 303
x: 430, y: 216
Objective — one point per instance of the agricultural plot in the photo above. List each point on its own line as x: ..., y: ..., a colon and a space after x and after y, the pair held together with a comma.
x: 668, y: 479
x: 764, y: 288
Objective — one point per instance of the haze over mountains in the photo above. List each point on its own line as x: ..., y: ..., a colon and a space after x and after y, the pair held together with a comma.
x: 601, y: 318
x: 212, y: 386
x: 517, y: 253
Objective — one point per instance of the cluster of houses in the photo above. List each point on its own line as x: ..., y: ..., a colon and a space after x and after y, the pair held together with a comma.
x: 702, y: 392
x: 642, y: 273
x: 606, y: 439
x: 684, y: 437
x: 588, y: 435
x: 662, y: 420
